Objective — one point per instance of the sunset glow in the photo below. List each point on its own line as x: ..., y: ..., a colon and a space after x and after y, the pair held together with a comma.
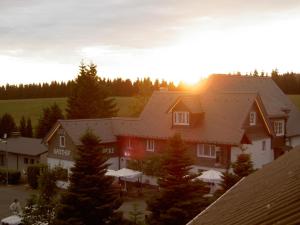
x: 183, y: 43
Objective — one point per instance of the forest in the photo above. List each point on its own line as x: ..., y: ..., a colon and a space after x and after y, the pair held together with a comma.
x: 288, y: 82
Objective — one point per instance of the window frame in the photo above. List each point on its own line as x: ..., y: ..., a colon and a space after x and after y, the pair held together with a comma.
x: 264, y: 145
x: 201, y: 151
x: 62, y: 144
x: 279, y: 125
x: 252, y: 118
x: 150, y: 145
x: 181, y: 118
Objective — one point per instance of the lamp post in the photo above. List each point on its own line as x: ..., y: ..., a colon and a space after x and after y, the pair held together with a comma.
x: 6, y: 155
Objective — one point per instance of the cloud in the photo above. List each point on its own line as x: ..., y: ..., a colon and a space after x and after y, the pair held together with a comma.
x: 65, y: 31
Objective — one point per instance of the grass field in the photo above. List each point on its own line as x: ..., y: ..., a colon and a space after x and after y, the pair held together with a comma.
x: 33, y: 107
x: 296, y: 100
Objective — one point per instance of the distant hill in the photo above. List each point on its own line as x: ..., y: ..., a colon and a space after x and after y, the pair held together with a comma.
x: 33, y: 107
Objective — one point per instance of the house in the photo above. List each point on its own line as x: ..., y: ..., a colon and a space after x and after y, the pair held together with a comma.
x: 268, y: 196
x: 226, y: 116
x: 18, y: 153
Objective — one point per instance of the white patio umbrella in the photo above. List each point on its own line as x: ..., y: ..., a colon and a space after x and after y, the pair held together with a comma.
x: 212, y: 176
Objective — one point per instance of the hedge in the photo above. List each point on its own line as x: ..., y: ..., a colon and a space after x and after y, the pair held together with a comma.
x: 33, y: 173
x: 13, y: 176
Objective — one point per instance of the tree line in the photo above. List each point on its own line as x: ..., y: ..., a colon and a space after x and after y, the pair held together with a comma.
x: 114, y: 87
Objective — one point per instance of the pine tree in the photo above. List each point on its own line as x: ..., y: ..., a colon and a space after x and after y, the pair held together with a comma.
x: 28, y: 130
x: 89, y: 98
x: 22, y: 127
x: 48, y: 119
x: 181, y: 198
x: 243, y: 165
x: 7, y: 125
x: 90, y: 199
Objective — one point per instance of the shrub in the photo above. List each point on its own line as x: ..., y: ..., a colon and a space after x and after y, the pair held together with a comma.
x: 13, y: 176
x: 33, y: 172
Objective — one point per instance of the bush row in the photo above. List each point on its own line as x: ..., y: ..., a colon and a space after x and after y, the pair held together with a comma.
x: 13, y: 176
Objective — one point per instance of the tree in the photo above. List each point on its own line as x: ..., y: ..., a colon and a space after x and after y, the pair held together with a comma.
x: 22, y: 127
x: 7, y: 125
x: 89, y: 98
x: 243, y: 165
x: 28, y: 130
x: 48, y: 119
x: 40, y: 208
x: 181, y: 198
x: 25, y: 127
x: 91, y: 199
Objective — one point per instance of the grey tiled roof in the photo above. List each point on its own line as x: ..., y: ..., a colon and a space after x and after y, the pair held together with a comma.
x: 272, y: 97
x: 100, y: 127
x: 24, y: 146
x: 222, y: 122
x: 268, y: 196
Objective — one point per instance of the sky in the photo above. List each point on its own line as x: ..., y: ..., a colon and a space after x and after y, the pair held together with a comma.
x: 45, y: 40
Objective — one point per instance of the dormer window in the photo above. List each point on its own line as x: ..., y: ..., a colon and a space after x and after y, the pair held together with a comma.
x: 129, y: 146
x: 278, y: 127
x: 252, y: 118
x: 150, y: 145
x: 181, y: 118
x: 62, y: 141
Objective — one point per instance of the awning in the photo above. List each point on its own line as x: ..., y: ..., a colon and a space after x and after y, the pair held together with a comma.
x: 212, y: 176
x: 124, y: 173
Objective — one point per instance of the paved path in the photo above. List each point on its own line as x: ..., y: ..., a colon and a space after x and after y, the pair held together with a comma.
x: 22, y: 193
x: 9, y: 193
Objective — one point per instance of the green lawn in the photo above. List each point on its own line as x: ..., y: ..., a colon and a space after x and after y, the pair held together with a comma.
x: 296, y: 100
x: 33, y: 107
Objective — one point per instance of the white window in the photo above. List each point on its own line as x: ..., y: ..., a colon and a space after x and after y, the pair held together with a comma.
x: 252, y: 118
x: 279, y: 127
x: 206, y: 150
x: 62, y: 141
x: 181, y: 118
x: 108, y: 150
x: 263, y: 147
x: 129, y: 146
x: 150, y: 145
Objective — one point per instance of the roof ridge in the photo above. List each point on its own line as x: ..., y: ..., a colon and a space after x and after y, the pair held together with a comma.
x: 79, y: 120
x: 240, y: 76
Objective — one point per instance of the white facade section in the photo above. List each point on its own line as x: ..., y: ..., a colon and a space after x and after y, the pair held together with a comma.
x: 66, y: 164
x: 295, y: 141
x: 259, y: 156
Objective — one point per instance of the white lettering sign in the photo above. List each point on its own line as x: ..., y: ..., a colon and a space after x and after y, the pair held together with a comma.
x: 63, y: 152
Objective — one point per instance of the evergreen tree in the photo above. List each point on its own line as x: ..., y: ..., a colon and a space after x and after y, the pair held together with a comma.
x: 243, y: 165
x: 48, y: 119
x: 28, y: 129
x: 89, y: 98
x: 180, y: 199
x: 91, y: 199
x: 7, y: 125
x: 22, y: 127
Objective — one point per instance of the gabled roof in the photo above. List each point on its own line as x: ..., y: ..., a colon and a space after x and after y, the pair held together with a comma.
x: 191, y: 102
x: 268, y: 196
x: 222, y: 123
x: 274, y: 100
x: 76, y: 128
x: 24, y: 146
